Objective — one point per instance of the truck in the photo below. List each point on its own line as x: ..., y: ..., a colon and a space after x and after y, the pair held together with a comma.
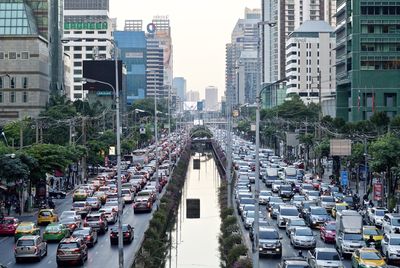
x: 349, y: 236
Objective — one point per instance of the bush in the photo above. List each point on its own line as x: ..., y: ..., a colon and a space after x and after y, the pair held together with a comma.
x: 235, y: 253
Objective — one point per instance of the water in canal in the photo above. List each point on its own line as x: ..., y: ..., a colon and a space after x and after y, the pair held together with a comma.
x: 195, y: 241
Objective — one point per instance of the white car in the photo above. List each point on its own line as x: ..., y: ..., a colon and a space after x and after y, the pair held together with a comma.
x: 127, y: 196
x: 324, y: 257
x: 391, y: 247
x: 70, y: 214
x: 375, y: 215
x: 391, y: 223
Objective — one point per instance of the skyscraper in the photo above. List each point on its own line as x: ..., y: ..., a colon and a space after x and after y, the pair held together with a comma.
x: 88, y: 28
x: 179, y: 85
x: 24, y: 59
x: 155, y: 68
x: 211, y: 98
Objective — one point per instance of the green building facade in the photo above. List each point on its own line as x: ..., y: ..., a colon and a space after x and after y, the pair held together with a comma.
x: 367, y: 58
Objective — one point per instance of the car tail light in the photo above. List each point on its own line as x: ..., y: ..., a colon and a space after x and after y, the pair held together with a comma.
x: 88, y: 237
x: 126, y: 234
x: 60, y: 252
x: 77, y: 250
x: 35, y: 248
x: 148, y: 204
x: 85, y: 223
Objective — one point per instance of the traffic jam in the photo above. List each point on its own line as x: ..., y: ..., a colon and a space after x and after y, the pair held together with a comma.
x: 94, y: 207
x: 307, y: 221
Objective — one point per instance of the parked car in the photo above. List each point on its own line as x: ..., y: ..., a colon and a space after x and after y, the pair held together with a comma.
x: 8, y: 225
x: 31, y: 246
x: 128, y: 234
x: 53, y: 193
x: 71, y: 250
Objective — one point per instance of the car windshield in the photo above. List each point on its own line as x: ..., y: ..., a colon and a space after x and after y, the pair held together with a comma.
x: 247, y: 201
x: 26, y: 243
x: 7, y: 221
x: 380, y: 213
x: 348, y: 199
x: 268, y: 235
x: 68, y: 245
x: 297, y: 266
x: 328, y: 256
x: 92, y: 199
x: 318, y: 211
x: 298, y: 198
x: 341, y: 207
x: 330, y: 227
x: 54, y: 228
x: 78, y: 205
x: 355, y: 237
x: 45, y: 213
x: 80, y: 233
x: 307, y: 187
x: 24, y: 228
x: 313, y: 193
x: 289, y: 212
x: 395, y: 241
x: 286, y: 188
x: 304, y: 232
x: 93, y: 218
x: 275, y: 199
x: 298, y: 223
x: 396, y: 222
x: 371, y: 231
x: 327, y: 199
x: 67, y: 214
x: 370, y: 255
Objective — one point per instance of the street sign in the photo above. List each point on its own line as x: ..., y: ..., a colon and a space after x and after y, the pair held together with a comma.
x: 344, y: 177
x: 378, y: 190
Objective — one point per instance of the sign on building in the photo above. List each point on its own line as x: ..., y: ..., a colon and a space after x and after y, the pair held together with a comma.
x: 192, y: 208
x: 340, y: 147
x: 378, y: 191
x: 344, y: 178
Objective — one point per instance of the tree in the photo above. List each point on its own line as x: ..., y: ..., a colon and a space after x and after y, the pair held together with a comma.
x: 380, y: 120
x: 13, y: 169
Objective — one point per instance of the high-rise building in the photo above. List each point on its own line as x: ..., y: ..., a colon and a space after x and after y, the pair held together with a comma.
x: 367, y: 58
x: 192, y: 96
x: 309, y: 63
x: 179, y: 85
x: 241, y: 59
x: 155, y: 69
x: 133, y: 25
x: 87, y: 31
x: 133, y: 49
x: 211, y: 98
x: 24, y: 58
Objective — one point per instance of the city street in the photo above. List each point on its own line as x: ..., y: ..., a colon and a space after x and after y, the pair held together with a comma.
x: 101, y: 255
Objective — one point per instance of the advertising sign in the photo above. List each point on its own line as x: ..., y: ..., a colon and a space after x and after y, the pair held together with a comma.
x: 378, y: 191
x: 344, y: 177
x: 340, y: 147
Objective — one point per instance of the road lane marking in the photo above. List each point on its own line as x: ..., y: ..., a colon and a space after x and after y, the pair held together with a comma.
x: 3, y: 239
x: 9, y: 263
x: 49, y: 262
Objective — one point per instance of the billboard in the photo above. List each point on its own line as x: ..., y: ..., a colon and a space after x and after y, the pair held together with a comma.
x: 340, y: 147
x: 101, y: 70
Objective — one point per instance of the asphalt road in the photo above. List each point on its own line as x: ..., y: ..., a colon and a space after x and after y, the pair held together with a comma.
x: 101, y: 255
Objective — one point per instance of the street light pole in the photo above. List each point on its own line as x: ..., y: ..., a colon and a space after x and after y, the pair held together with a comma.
x: 155, y: 128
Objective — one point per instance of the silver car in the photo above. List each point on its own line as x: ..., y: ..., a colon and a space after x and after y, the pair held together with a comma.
x: 324, y: 257
x: 264, y: 195
x: 293, y: 223
x: 391, y: 247
x: 31, y: 246
x: 303, y: 237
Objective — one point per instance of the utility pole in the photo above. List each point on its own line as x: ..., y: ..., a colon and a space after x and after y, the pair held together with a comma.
x: 229, y: 150
x: 70, y: 132
x: 365, y: 165
x: 21, y: 135
x: 37, y: 132
x: 84, y: 144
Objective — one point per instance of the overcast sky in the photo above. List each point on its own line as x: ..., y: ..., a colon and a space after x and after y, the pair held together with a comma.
x: 200, y: 30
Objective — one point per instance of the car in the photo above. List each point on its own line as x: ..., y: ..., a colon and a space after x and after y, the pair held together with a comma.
x: 390, y: 247
x: 349, y: 243
x: 80, y: 195
x: 244, y: 201
x: 71, y: 250
x: 247, y: 207
x: 349, y: 200
x: 275, y: 209
x: 53, y: 193
x: 269, y: 242
x: 376, y: 234
x: 324, y: 257
x: 26, y: 228
x: 285, y: 191
x: 338, y: 197
x: 55, y: 232
x: 261, y: 223
x: 376, y: 215
x: 305, y: 207
x: 97, y: 221
x: 112, y: 204
x: 391, y: 223
x: 102, y: 196
x: 316, y: 216
x: 94, y: 203
x: 305, y: 187
x: 88, y: 235
x: 276, y: 185
x: 312, y: 195
x: 367, y: 257
x: 31, y: 246
x: 46, y: 216
x: 70, y: 214
x: 81, y: 207
x: 8, y: 225
x: 128, y: 234
x: 327, y: 202
x: 296, y: 200
x: 293, y: 223
x: 337, y: 208
x: 327, y: 232
x: 71, y: 223
x: 142, y: 204
x: 286, y: 212
x: 110, y: 214
x: 294, y: 262
x: 128, y: 196
x: 272, y: 200
x: 303, y: 237
x: 263, y: 199
x: 249, y: 218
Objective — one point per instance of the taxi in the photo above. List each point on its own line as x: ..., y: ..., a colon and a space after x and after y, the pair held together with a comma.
x: 338, y: 207
x: 8, y: 225
x: 55, y: 232
x: 26, y: 228
x: 367, y: 257
x: 79, y: 195
x: 372, y: 230
x: 46, y: 216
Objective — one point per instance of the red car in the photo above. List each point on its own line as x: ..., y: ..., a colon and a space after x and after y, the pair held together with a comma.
x: 8, y: 225
x: 328, y: 232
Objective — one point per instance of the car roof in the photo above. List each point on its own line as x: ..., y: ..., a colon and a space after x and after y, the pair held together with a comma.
x: 369, y: 227
x: 70, y: 239
x: 26, y: 223
x: 325, y: 250
x: 267, y: 228
x: 392, y: 235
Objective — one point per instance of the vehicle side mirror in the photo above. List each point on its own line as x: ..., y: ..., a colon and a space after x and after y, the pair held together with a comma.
x: 280, y: 237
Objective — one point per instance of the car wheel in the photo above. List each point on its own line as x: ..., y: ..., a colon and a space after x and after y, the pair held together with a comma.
x: 45, y: 254
x: 17, y: 260
x: 40, y: 256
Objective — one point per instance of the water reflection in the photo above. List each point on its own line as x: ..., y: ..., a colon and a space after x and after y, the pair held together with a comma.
x: 195, y: 241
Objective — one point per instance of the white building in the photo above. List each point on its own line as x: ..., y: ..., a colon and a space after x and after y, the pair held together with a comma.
x: 310, y: 61
x: 192, y: 96
x: 87, y: 31
x: 179, y: 86
x: 211, y: 98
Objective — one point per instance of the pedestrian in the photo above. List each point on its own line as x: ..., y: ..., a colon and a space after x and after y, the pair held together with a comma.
x: 8, y: 206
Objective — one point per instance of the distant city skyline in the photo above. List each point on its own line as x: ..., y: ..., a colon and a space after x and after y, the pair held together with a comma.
x: 199, y: 48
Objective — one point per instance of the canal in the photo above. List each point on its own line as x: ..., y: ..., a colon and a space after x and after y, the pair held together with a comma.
x: 195, y: 241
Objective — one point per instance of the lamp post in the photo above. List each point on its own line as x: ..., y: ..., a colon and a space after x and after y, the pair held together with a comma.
x: 116, y: 91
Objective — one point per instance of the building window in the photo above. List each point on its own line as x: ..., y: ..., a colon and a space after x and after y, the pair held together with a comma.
x: 390, y: 100
x: 24, y: 97
x: 12, y: 55
x: 1, y: 82
x: 1, y: 55
x: 89, y: 32
x: 371, y: 29
x: 12, y: 82
x: 24, y: 55
x: 1, y: 97
x: 78, y: 95
x: 77, y: 56
x: 24, y: 82
x: 78, y: 48
x: 77, y: 71
x: 12, y: 96
x: 66, y: 48
x: 77, y: 63
x: 77, y: 32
